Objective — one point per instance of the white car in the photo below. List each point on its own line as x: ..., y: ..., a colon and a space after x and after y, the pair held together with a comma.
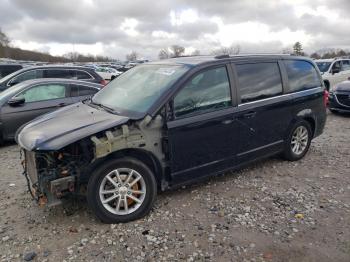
x: 107, y: 73
x: 334, y: 71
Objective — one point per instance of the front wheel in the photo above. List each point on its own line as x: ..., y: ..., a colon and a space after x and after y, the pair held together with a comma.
x: 298, y: 141
x: 121, y: 190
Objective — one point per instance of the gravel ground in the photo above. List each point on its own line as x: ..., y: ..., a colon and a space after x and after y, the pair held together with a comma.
x: 272, y: 211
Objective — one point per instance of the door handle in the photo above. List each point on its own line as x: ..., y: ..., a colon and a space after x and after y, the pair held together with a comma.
x: 61, y: 104
x: 227, y: 121
x: 249, y: 114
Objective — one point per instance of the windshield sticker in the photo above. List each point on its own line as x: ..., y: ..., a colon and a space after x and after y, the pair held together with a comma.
x: 165, y: 71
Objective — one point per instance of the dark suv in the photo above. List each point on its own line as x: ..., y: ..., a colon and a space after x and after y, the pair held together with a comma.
x: 68, y: 72
x: 166, y: 123
x: 6, y: 69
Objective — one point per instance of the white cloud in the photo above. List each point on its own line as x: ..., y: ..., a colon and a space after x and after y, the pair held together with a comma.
x: 129, y: 26
x: 115, y: 27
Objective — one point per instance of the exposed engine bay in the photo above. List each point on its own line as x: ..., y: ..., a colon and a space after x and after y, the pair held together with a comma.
x: 52, y: 175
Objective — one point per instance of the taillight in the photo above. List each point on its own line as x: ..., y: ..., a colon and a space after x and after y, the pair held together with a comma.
x: 104, y: 82
x: 325, y: 97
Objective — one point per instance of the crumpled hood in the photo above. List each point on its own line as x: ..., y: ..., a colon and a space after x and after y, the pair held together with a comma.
x: 65, y: 126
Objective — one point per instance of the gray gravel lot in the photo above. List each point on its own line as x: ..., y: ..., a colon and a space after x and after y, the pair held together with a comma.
x: 272, y: 211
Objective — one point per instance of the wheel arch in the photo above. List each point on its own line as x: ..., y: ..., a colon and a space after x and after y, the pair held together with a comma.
x: 312, y: 123
x: 306, y: 115
x: 144, y: 156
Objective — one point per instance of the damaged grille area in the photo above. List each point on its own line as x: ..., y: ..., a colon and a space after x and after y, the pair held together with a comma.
x: 55, y: 174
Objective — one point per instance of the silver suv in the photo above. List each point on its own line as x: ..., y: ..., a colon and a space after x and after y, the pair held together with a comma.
x: 334, y: 71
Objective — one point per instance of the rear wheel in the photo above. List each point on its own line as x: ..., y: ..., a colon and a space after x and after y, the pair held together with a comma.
x: 298, y: 141
x: 122, y: 190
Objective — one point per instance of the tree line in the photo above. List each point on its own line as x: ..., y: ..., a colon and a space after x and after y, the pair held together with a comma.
x: 168, y: 52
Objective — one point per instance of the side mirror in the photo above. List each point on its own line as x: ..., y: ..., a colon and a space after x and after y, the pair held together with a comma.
x: 335, y: 71
x: 16, y: 101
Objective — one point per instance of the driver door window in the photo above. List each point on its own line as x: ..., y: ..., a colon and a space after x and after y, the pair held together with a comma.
x: 206, y: 92
x: 44, y: 92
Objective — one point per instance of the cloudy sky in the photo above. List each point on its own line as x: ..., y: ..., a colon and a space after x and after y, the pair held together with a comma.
x: 115, y: 27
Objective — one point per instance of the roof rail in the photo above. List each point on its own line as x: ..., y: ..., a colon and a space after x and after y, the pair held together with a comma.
x: 221, y: 56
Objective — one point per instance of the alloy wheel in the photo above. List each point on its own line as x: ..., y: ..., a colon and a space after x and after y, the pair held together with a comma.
x: 300, y: 139
x: 122, y: 191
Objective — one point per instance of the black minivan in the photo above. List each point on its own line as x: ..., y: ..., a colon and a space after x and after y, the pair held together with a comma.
x: 170, y: 122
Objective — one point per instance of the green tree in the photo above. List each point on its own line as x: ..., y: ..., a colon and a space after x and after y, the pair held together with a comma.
x: 298, y: 49
x: 164, y: 54
x: 4, y: 40
x: 177, y: 50
x: 132, y: 56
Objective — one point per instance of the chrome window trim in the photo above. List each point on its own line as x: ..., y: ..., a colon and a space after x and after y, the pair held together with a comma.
x: 279, y: 96
x: 81, y: 70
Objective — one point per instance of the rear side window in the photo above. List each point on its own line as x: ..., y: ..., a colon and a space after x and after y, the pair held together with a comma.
x: 78, y: 90
x: 346, y: 65
x: 58, y: 73
x: 301, y: 75
x: 82, y: 75
x: 258, y: 81
x: 205, y: 92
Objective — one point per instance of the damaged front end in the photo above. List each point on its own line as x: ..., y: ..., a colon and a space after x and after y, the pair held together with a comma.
x: 53, y: 175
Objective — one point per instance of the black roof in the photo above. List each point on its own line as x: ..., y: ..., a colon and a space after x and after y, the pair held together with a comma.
x: 196, y: 60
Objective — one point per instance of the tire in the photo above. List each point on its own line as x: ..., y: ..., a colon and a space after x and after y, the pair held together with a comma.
x: 326, y: 84
x: 124, y: 191
x: 290, y: 151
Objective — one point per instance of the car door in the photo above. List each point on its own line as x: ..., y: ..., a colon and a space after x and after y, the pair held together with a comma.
x: 202, y: 133
x: 81, y: 92
x: 345, y: 72
x: 39, y: 99
x: 335, y: 76
x: 263, y: 114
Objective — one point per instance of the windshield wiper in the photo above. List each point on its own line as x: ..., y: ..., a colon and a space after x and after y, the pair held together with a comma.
x: 106, y: 108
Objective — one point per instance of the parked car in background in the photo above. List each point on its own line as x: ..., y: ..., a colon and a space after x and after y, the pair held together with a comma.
x: 107, y: 73
x: 6, y: 69
x: 29, y: 99
x: 339, y: 98
x: 54, y: 71
x: 334, y: 71
x: 163, y: 124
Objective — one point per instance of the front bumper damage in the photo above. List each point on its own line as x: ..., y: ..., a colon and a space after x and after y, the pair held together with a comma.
x: 48, y: 179
x: 53, y: 174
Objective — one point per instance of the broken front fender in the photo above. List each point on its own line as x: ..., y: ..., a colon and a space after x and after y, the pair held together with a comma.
x: 60, y: 128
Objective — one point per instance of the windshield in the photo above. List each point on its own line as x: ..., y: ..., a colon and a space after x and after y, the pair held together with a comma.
x: 137, y: 89
x: 323, y: 66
